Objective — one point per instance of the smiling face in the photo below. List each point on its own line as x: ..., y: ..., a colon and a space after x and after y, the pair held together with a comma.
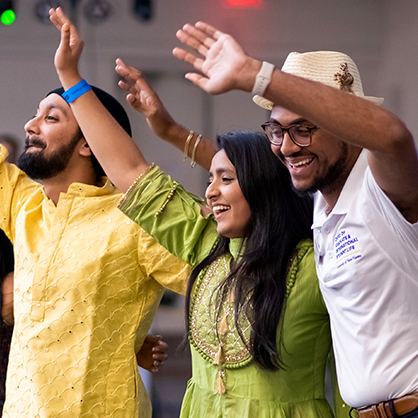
x: 224, y: 196
x: 324, y: 165
x: 51, y: 137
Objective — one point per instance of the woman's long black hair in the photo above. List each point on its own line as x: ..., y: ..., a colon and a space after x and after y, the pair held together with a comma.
x: 280, y: 219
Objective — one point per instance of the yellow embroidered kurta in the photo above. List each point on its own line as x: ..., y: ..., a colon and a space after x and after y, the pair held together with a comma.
x: 88, y: 282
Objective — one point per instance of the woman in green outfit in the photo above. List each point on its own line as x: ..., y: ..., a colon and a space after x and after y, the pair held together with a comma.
x: 257, y: 324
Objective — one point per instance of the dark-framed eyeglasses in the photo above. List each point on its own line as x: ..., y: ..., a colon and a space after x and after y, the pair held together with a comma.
x: 301, y: 135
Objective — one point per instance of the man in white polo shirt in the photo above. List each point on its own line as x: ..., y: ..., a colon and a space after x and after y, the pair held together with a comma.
x: 362, y: 161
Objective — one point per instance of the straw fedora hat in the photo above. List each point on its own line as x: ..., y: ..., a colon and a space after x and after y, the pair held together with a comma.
x: 332, y: 68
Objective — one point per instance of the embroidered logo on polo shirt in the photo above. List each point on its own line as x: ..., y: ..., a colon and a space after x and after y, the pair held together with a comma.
x: 347, y: 248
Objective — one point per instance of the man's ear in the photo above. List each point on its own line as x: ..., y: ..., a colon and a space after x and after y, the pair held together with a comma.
x: 83, y: 148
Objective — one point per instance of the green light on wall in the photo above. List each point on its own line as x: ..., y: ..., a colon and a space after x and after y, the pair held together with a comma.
x: 8, y: 17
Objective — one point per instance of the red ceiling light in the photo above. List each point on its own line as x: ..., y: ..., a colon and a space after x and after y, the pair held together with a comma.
x: 243, y: 3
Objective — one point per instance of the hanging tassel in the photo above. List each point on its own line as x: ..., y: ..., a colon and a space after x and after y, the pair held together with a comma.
x: 220, y: 387
x: 219, y: 357
x: 223, y: 326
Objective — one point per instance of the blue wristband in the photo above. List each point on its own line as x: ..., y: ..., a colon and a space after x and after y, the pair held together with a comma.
x: 76, y: 91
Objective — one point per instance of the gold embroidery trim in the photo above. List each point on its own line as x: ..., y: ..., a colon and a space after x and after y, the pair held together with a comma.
x: 241, y: 352
x: 137, y: 180
x: 169, y: 197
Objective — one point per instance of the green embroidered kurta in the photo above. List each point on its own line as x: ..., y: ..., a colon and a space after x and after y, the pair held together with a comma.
x: 297, y: 391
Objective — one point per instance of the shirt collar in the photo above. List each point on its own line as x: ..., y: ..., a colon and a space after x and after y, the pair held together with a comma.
x: 345, y: 199
x: 104, y: 188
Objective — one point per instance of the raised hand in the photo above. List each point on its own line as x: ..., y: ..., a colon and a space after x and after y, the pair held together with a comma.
x: 70, y: 48
x: 153, y: 353
x: 224, y: 65
x: 144, y: 99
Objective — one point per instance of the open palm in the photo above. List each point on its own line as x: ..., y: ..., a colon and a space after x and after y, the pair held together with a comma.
x: 223, y: 58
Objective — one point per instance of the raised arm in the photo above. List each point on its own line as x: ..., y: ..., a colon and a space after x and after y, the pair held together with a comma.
x: 105, y: 136
x: 146, y: 101
x: 392, y: 153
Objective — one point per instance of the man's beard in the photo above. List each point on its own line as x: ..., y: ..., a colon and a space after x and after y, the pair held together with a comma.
x: 334, y: 179
x: 38, y: 166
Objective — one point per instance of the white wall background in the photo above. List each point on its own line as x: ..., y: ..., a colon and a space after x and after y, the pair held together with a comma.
x: 379, y: 34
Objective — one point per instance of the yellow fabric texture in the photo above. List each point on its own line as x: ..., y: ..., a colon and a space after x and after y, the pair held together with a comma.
x: 88, y: 282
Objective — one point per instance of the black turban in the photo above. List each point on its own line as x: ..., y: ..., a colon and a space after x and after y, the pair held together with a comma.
x: 110, y: 103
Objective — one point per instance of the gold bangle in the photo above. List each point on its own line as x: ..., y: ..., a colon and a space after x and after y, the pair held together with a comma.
x: 196, y: 144
x: 186, y: 145
x: 7, y: 323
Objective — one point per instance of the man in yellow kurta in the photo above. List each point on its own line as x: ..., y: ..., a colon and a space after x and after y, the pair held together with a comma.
x: 88, y: 280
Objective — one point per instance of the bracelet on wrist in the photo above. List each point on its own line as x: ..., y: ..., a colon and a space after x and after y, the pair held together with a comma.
x: 196, y: 144
x: 76, y: 91
x: 186, y: 145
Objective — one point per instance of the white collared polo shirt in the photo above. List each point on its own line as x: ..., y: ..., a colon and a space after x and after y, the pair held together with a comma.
x: 366, y: 255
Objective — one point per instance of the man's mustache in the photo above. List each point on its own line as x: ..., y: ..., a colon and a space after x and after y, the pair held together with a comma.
x: 34, y: 142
